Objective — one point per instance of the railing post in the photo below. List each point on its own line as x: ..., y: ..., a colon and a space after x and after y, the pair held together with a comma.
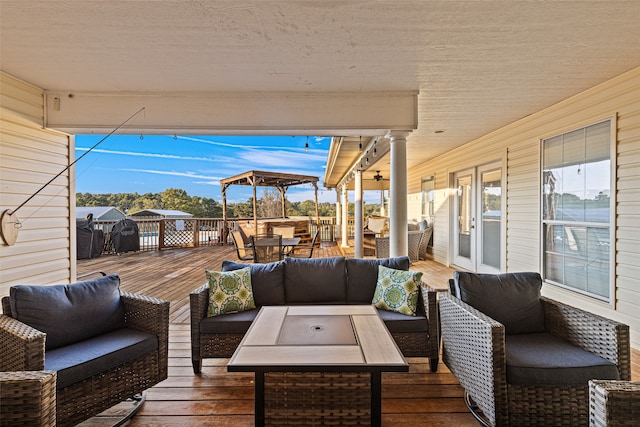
x: 161, y: 235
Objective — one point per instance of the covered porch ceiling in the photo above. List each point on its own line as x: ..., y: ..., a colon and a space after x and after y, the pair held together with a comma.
x: 343, y: 69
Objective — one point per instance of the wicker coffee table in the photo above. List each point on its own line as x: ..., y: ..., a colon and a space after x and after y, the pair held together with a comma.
x: 318, y: 364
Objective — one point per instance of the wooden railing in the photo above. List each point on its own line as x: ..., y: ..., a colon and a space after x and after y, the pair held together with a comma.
x: 158, y: 234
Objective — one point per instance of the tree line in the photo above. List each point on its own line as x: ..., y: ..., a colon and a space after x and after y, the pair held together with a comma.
x: 268, y: 205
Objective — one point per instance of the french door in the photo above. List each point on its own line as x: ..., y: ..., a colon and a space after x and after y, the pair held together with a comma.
x: 477, y: 219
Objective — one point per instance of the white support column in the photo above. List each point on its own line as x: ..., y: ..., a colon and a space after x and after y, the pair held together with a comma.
x: 398, y: 237
x: 338, y: 212
x: 358, y: 228
x: 345, y: 217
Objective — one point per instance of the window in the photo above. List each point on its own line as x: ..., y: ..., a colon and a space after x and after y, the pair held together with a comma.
x: 427, y: 189
x: 576, y: 210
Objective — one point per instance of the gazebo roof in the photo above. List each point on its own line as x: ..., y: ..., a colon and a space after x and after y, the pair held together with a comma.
x: 269, y: 179
x: 282, y: 181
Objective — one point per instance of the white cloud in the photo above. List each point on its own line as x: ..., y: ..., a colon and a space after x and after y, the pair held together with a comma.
x: 174, y: 173
x: 154, y: 155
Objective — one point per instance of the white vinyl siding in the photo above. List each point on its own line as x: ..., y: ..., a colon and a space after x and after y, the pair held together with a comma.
x: 29, y: 157
x: 519, y: 145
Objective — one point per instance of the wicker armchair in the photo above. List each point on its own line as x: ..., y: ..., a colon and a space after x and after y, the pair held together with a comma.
x: 413, y: 242
x: 475, y: 352
x: 22, y: 348
x: 424, y: 242
x: 382, y: 247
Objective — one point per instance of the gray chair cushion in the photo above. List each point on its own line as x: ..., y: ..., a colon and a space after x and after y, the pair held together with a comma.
x: 402, y: 323
x: 70, y: 313
x: 544, y: 359
x: 232, y: 323
x: 512, y: 299
x: 315, y: 280
x: 84, y: 359
x: 267, y: 281
x: 362, y: 276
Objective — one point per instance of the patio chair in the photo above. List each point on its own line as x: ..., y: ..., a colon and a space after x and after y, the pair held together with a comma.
x: 245, y: 252
x: 524, y: 359
x: 103, y: 345
x: 413, y: 237
x: 266, y: 248
x: 378, y: 225
x: 413, y: 240
x: 382, y: 247
x: 286, y: 231
x: 304, y: 250
x: 424, y: 242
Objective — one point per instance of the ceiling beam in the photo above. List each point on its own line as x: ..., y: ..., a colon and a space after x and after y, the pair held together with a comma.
x: 225, y: 113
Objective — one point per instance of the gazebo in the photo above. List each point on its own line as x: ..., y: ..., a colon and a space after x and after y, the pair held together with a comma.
x: 281, y: 181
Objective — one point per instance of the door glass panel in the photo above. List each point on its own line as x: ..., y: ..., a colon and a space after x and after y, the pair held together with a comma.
x: 465, y: 218
x: 491, y: 217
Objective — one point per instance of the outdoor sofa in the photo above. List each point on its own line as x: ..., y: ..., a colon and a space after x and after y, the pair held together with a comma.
x: 335, y: 280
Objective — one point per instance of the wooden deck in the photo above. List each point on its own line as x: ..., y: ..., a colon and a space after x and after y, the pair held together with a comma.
x: 220, y: 398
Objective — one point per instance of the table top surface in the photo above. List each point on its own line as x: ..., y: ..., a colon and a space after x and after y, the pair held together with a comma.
x: 290, y: 241
x: 320, y: 337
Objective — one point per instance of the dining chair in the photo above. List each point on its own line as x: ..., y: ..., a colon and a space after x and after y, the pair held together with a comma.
x: 245, y: 252
x: 304, y: 250
x: 266, y: 247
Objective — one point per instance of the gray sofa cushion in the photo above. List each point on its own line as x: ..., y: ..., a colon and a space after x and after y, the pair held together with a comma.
x: 84, y: 359
x: 362, y: 276
x: 512, y: 299
x: 544, y: 359
x: 403, y: 323
x: 70, y: 313
x: 315, y: 280
x: 232, y: 323
x: 267, y: 281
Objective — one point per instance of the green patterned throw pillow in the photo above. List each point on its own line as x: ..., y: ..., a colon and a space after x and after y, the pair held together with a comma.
x: 397, y: 290
x: 230, y: 291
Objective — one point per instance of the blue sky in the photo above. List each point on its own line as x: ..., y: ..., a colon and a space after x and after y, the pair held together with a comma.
x: 196, y: 164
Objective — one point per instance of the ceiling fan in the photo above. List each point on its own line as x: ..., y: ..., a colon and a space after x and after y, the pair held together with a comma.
x: 378, y: 177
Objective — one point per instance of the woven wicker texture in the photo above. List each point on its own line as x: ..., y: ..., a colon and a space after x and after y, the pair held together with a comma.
x: 223, y: 345
x: 87, y: 398
x: 473, y: 349
x: 382, y: 247
x: 317, y: 398
x: 424, y: 242
x: 614, y: 403
x: 28, y: 398
x: 413, y: 241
